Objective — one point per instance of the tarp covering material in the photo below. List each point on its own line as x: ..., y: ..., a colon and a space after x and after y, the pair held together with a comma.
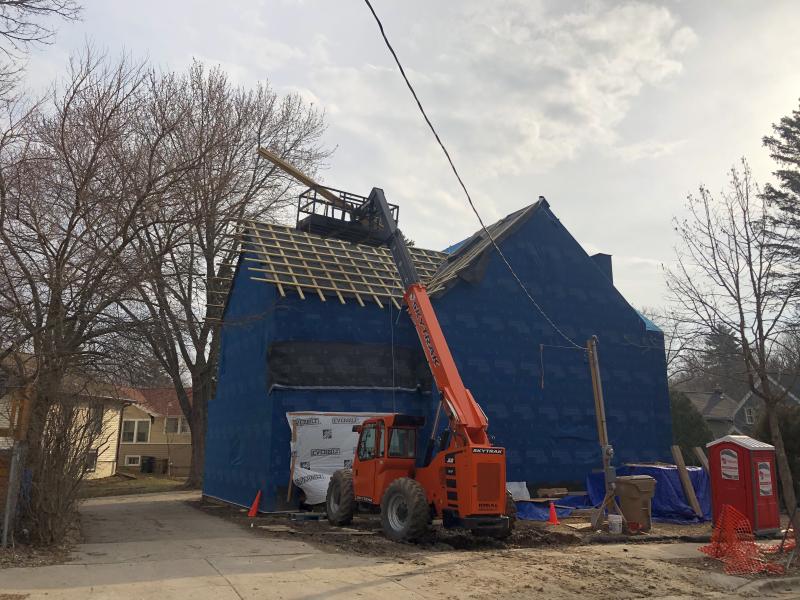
x: 518, y: 490
x: 576, y: 501
x: 669, y: 502
x: 540, y: 511
x: 322, y: 443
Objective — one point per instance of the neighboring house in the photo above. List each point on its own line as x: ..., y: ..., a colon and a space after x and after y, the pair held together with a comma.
x: 154, y: 426
x: 750, y: 408
x: 717, y: 409
x: 725, y: 415
x: 104, y: 405
x: 315, y: 323
x: 100, y: 403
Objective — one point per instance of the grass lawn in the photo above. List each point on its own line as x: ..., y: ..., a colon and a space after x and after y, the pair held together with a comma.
x: 118, y: 485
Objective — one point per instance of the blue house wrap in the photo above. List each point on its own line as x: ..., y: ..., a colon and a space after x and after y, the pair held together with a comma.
x: 533, y: 385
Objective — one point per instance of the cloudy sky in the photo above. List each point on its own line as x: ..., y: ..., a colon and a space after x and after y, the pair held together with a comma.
x: 612, y: 110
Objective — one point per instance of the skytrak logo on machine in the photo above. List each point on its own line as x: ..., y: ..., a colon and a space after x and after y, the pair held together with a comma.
x: 487, y: 450
x: 426, y: 336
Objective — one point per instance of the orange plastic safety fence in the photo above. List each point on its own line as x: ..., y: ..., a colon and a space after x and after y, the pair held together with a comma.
x: 734, y: 544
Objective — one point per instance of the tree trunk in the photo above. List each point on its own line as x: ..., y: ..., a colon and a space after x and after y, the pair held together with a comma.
x: 785, y: 473
x: 201, y: 390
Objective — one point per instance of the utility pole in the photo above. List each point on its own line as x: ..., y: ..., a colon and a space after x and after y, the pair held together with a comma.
x: 606, y: 449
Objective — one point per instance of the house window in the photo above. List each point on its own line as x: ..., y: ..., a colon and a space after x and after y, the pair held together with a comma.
x: 750, y: 416
x: 132, y: 461
x: 136, y: 431
x: 95, y: 419
x: 91, y: 461
x: 176, y: 425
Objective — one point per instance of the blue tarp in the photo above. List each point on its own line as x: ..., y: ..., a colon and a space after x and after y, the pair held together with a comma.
x: 540, y: 511
x: 669, y: 502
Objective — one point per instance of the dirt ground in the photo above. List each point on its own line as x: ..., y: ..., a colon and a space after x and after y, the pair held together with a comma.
x: 364, y: 534
x: 28, y: 556
x: 21, y: 554
x: 566, y: 561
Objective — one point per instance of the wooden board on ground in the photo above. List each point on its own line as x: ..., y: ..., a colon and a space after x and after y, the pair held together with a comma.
x: 688, y: 489
x: 552, y: 492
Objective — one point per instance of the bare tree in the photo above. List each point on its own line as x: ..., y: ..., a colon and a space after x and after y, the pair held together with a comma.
x: 731, y: 274
x: 75, y: 426
x: 680, y: 343
x: 190, y: 255
x: 80, y: 175
x: 25, y: 23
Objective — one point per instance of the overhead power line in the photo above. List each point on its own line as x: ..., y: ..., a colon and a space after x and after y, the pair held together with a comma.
x: 461, y: 181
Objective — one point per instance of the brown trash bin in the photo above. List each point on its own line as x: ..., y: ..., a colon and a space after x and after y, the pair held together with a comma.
x: 635, y: 493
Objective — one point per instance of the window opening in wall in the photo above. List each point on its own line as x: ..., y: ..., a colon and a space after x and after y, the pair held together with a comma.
x: 136, y: 431
x: 177, y: 425
x: 91, y: 461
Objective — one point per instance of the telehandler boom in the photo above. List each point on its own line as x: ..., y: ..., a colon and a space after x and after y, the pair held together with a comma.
x: 465, y: 482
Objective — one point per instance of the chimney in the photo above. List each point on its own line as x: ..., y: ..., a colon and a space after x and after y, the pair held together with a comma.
x: 603, y: 262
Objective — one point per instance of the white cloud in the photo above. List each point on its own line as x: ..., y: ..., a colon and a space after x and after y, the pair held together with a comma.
x: 648, y: 149
x: 613, y: 110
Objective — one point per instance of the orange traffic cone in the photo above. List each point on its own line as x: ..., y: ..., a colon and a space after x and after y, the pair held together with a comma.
x: 254, y: 507
x: 553, y: 515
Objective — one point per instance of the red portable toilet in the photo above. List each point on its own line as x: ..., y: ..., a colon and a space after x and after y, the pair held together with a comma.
x: 743, y: 475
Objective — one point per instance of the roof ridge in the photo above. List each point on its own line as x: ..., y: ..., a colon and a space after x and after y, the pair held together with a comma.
x: 473, y: 248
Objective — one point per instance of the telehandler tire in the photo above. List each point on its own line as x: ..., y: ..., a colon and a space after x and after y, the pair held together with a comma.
x: 340, y: 501
x: 404, y: 510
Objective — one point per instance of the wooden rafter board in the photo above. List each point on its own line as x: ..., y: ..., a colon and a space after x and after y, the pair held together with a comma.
x: 306, y: 263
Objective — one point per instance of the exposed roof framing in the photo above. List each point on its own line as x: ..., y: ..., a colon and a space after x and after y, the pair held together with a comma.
x: 305, y: 263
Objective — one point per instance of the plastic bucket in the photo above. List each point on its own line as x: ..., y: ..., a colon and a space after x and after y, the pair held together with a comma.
x: 615, y: 524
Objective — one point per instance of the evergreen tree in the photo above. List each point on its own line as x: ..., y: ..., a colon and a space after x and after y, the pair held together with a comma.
x: 784, y: 148
x: 722, y: 363
x: 688, y: 427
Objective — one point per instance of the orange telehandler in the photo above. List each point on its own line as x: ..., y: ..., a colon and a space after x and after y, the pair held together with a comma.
x: 465, y: 482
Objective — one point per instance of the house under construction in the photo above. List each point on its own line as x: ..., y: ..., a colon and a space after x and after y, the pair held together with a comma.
x: 313, y: 322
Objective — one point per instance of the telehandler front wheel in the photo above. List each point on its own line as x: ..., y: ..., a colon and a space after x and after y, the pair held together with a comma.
x: 340, y: 501
x: 404, y: 510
